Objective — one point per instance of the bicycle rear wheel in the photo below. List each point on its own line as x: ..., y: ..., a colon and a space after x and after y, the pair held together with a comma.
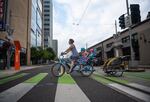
x: 58, y: 70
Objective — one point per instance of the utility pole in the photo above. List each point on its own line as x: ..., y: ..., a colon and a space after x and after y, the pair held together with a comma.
x: 116, y: 41
x: 116, y: 27
x: 86, y: 46
x: 130, y: 34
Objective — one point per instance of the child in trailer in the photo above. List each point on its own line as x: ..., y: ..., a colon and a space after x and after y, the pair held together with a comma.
x: 83, y: 56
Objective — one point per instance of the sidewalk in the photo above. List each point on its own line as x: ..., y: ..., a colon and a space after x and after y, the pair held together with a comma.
x: 8, y: 72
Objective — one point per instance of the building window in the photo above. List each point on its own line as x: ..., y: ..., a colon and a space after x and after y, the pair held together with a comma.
x: 135, y: 36
x: 33, y: 20
x: 46, y: 6
x: 46, y: 2
x: 33, y: 39
x: 39, y: 38
x: 46, y: 19
x: 40, y: 5
x: 46, y: 15
x: 98, y: 49
x: 109, y: 45
x: 126, y: 39
x: 39, y: 19
x: 46, y: 29
x: 46, y: 24
x: 45, y: 39
x: 46, y: 10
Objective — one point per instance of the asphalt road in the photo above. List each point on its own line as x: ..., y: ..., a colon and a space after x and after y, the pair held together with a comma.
x: 43, y: 89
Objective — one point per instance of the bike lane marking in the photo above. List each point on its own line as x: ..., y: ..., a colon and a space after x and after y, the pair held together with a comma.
x: 11, y: 78
x: 68, y: 91
x: 15, y: 93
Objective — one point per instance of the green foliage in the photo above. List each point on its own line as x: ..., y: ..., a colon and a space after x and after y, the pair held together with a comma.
x: 50, y: 50
x: 33, y: 53
x: 38, y: 53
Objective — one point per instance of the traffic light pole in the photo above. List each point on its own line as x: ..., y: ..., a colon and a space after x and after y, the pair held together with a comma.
x: 130, y: 34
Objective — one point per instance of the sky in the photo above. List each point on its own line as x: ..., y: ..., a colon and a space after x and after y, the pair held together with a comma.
x: 89, y: 21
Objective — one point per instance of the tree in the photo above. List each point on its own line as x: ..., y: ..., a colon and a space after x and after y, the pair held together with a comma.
x: 34, y: 54
x: 40, y: 54
x: 46, y: 55
x: 51, y: 51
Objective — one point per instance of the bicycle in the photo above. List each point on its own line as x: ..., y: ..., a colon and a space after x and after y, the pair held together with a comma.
x: 60, y: 67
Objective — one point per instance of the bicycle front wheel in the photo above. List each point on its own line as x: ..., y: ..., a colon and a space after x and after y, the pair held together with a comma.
x: 58, y: 70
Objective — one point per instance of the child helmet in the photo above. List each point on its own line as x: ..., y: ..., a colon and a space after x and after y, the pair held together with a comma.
x: 82, y: 49
x: 91, y: 50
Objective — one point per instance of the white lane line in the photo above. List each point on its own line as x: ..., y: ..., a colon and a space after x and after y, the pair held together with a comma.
x: 70, y: 93
x: 132, y: 92
x: 15, y: 93
x: 142, y: 87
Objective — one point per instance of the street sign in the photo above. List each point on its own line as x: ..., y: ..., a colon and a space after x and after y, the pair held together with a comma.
x: 128, y: 21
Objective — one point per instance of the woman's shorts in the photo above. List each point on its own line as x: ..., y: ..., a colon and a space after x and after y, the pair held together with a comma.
x: 74, y: 57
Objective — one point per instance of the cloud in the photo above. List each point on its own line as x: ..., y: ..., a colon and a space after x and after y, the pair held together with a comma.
x: 97, y: 23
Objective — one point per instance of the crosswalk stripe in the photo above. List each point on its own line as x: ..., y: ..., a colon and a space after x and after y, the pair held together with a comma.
x: 15, y: 93
x: 66, y: 79
x: 5, y: 80
x: 68, y: 91
x: 132, y: 92
x: 37, y: 78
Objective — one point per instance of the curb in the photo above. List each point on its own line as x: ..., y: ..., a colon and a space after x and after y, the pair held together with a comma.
x: 125, y: 85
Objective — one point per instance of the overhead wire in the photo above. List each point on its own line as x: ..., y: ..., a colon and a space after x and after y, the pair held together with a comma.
x: 84, y: 12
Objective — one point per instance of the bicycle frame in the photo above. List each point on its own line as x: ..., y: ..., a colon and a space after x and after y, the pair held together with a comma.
x: 64, y: 62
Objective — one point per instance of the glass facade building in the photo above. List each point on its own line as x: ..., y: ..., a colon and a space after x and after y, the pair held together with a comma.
x: 48, y: 23
x: 36, y: 23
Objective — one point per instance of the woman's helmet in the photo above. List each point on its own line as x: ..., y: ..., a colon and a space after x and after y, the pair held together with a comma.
x: 82, y: 49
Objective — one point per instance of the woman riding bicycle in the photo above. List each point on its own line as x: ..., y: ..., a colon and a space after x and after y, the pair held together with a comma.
x: 73, y: 50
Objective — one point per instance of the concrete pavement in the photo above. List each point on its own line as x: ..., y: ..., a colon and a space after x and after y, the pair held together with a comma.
x: 53, y: 89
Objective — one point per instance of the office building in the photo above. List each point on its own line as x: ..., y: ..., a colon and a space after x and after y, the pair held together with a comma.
x: 24, y: 20
x: 55, y: 46
x: 48, y: 23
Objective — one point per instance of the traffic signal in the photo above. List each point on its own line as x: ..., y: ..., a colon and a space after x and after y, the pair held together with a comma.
x: 122, y: 21
x: 135, y: 13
